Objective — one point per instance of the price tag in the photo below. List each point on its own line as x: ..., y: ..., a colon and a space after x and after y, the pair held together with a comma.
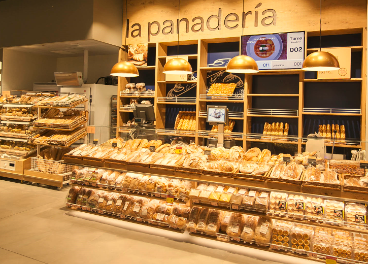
x: 339, y: 213
x: 231, y: 190
x: 235, y: 206
x: 319, y: 210
x: 91, y: 129
x: 118, y: 202
x: 170, y: 199
x: 282, y: 205
x: 360, y: 219
x: 100, y: 200
x: 331, y: 260
x: 178, y: 150
x: 144, y: 211
x: 114, y: 145
x: 252, y: 193
x: 364, y: 164
x: 300, y: 205
x: 242, y: 191
x: 222, y: 237
x: 312, y: 161
x: 109, y: 202
x: 95, y: 141
x: 286, y: 158
x: 136, y: 207
x: 152, y: 148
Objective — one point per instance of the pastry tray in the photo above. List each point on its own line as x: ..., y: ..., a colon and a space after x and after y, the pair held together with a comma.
x: 69, y: 127
x: 17, y: 118
x: 57, y: 104
x: 353, y: 188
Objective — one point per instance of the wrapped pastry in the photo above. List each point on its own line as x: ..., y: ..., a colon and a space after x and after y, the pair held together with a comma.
x: 252, y: 154
x: 247, y: 167
x: 120, y: 202
x: 314, y: 208
x: 236, y: 153
x: 92, y: 201
x: 360, y: 247
x: 237, y: 198
x: 110, y: 205
x: 262, y: 234
x: 356, y: 214
x: 301, y: 237
x: 296, y: 205
x: 250, y: 224
x: 322, y: 241
x: 343, y: 244
x: 278, y: 203
x: 281, y: 234
x: 334, y: 211
x: 277, y: 171
x: 149, y: 209
x: 227, y: 194
x: 102, y: 201
x: 213, y: 222
x: 224, y: 220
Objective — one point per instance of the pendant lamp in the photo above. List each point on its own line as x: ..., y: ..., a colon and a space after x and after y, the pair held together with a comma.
x: 242, y: 63
x: 125, y: 68
x: 320, y: 60
x: 178, y: 65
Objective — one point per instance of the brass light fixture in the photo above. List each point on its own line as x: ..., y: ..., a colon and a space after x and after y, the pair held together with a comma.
x: 178, y: 65
x: 320, y: 60
x: 125, y: 68
x: 242, y: 63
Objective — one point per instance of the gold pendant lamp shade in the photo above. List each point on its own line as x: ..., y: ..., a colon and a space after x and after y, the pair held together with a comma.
x: 321, y: 61
x: 177, y: 66
x: 242, y: 64
x: 124, y: 69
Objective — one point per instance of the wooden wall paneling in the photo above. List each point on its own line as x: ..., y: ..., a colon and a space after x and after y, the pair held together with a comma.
x: 201, y: 61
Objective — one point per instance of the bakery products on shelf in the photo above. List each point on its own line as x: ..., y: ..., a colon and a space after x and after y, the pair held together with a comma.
x: 185, y: 120
x: 221, y: 89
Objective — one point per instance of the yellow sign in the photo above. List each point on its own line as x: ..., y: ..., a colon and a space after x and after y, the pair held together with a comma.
x: 331, y: 260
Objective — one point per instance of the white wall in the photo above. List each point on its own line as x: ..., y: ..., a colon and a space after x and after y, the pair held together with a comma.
x: 98, y: 66
x: 22, y: 69
x: 108, y: 21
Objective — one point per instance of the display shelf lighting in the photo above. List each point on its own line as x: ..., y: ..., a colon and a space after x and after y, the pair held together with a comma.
x: 125, y: 68
x: 320, y: 60
x: 178, y: 65
x: 242, y: 63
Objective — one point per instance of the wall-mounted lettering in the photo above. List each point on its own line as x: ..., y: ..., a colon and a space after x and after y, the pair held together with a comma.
x: 231, y: 21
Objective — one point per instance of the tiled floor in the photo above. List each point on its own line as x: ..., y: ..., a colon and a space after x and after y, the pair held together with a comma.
x: 35, y: 229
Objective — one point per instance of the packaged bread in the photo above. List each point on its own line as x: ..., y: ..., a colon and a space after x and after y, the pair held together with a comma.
x: 119, y: 181
x: 247, y: 167
x: 135, y: 179
x: 312, y: 174
x: 262, y: 234
x: 278, y: 203
x: 149, y: 209
x: 227, y: 166
x: 73, y: 194
x: 250, y: 224
x: 215, y: 195
x: 237, y: 198
x: 128, y: 203
x: 314, y: 208
x: 102, y: 201
x: 261, y: 202
x: 213, y: 222
x: 151, y: 184
x: 120, y: 202
x: 110, y: 205
x: 261, y: 169
x: 235, y: 226
x: 334, y: 211
x: 81, y: 193
x: 136, y: 208
x: 161, y: 185
x: 356, y: 215
x: 225, y: 220
x: 322, y: 241
x: 281, y: 234
x: 249, y: 198
x: 292, y: 171
x: 278, y: 170
x: 202, y: 220
x: 92, y: 201
x: 193, y: 217
x: 227, y: 194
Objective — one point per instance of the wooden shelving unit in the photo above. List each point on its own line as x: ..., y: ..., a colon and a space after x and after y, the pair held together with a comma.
x: 200, y: 64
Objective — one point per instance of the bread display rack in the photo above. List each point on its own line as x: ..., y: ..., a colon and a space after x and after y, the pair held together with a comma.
x: 262, y: 204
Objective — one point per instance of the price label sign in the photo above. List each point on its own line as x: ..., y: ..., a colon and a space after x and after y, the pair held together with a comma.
x: 207, y: 152
x: 312, y: 161
x: 286, y: 158
x: 152, y: 148
x: 331, y: 260
x: 95, y: 141
x: 170, y: 199
x: 179, y: 150
x: 114, y: 145
x: 364, y: 164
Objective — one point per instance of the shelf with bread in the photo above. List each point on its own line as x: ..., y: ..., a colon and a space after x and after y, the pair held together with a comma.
x: 269, y: 89
x: 271, y: 232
